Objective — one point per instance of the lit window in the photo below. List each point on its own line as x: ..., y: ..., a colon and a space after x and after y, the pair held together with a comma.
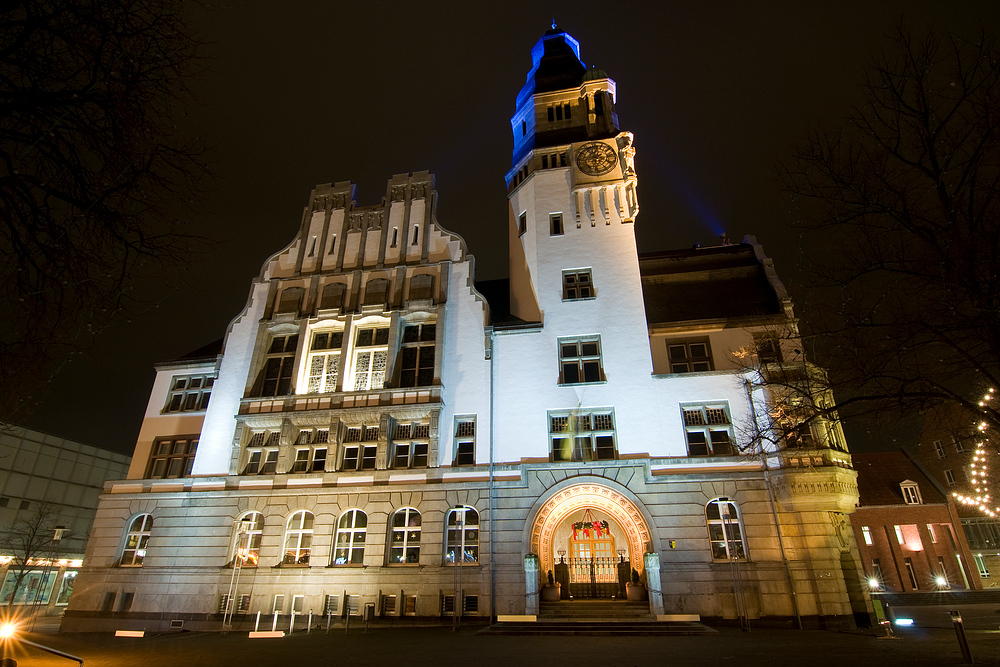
x: 324, y: 361
x: 708, y: 430
x: 930, y: 531
x: 172, y: 458
x: 724, y: 530
x: 136, y: 539
x: 189, y: 393
x: 410, y: 446
x: 463, y: 536
x: 298, y: 538
x: 866, y: 531
x: 246, y: 545
x: 580, y: 360
x: 465, y: 441
x: 899, y: 534
x: 950, y: 476
x: 370, y: 354
x: 357, y: 454
x: 577, y: 284
x: 279, y: 367
x: 417, y: 356
x: 911, y: 492
x: 404, y: 540
x: 582, y: 435
x: 689, y: 356
x: 350, y: 545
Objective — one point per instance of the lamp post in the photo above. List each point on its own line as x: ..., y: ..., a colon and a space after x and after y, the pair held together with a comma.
x: 8, y: 633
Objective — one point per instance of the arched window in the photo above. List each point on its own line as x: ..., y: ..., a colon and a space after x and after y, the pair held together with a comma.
x: 463, y: 536
x: 298, y: 538
x: 246, y: 543
x: 290, y: 300
x: 349, y: 548
x: 376, y: 291
x: 724, y: 529
x: 333, y: 296
x: 421, y: 287
x: 404, y: 542
x: 136, y: 538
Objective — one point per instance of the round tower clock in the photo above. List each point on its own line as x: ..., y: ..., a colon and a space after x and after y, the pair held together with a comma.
x: 596, y: 158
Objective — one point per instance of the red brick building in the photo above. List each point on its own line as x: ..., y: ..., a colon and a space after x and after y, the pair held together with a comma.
x: 908, y: 529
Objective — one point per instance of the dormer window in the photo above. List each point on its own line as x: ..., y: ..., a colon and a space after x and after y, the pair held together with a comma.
x: 911, y: 492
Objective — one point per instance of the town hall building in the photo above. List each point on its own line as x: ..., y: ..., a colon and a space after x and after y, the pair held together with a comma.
x: 378, y: 428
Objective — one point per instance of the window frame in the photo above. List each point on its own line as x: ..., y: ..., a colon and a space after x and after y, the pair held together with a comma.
x: 139, y: 529
x: 376, y: 347
x: 911, y: 492
x: 262, y: 450
x: 198, y: 396
x: 691, y: 362
x: 184, y: 459
x: 409, y: 541
x: 424, y: 344
x: 573, y: 287
x: 583, y: 430
x: 556, y: 226
x: 325, y: 346
x: 582, y: 361
x: 353, y: 546
x: 464, y: 436
x: 460, y: 537
x: 708, y: 427
x: 302, y: 534
x: 366, y: 455
x: 742, y: 552
x: 410, y: 446
x: 279, y: 366
x: 250, y: 524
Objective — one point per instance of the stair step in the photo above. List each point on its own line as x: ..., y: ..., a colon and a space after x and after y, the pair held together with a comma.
x: 633, y: 628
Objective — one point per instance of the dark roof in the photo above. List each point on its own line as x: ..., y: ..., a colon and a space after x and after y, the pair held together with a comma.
x: 879, y: 476
x: 718, y: 282
x: 555, y: 65
x: 209, y: 351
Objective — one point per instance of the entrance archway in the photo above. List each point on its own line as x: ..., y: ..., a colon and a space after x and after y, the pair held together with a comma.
x: 569, y: 503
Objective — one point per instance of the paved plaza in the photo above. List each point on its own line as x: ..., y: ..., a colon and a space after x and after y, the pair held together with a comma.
x: 413, y: 646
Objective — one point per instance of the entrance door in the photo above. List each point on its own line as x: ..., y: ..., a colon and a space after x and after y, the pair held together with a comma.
x: 593, y: 568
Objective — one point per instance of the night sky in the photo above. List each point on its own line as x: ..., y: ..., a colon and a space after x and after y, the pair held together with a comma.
x: 302, y: 93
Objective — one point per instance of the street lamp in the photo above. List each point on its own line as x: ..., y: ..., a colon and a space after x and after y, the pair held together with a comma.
x: 8, y: 634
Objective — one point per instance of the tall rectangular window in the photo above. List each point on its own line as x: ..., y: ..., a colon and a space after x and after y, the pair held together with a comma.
x: 908, y: 562
x: 580, y: 360
x: 279, y: 366
x: 867, y: 532
x: 950, y: 476
x: 582, y: 435
x: 555, y: 223
x: 708, y: 429
x: 465, y: 441
x: 689, y: 356
x: 360, y: 448
x: 939, y: 449
x: 370, y: 355
x: 522, y: 223
x: 959, y: 447
x: 577, y: 284
x: 417, y: 356
x: 768, y: 348
x: 324, y: 361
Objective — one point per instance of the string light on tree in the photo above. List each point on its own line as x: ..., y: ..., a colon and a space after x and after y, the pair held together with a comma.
x: 978, y: 470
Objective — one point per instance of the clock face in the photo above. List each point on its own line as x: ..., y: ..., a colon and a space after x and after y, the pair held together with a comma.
x: 596, y: 158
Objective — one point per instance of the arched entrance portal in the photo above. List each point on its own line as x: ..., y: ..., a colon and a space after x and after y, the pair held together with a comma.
x: 553, y: 527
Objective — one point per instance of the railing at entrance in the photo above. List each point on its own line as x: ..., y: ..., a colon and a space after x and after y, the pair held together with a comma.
x: 593, y: 577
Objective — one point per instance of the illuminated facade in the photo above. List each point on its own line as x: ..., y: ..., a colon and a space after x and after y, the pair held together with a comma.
x: 382, y: 429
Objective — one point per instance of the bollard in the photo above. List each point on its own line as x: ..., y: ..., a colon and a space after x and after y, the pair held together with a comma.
x: 274, y: 623
x: 256, y: 625
x: 291, y: 623
x: 956, y: 619
x: 309, y: 627
x: 329, y: 615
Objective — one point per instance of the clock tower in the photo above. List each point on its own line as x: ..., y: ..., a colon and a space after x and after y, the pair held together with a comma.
x: 572, y: 194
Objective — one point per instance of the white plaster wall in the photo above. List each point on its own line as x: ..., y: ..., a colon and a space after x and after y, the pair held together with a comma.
x: 215, y: 446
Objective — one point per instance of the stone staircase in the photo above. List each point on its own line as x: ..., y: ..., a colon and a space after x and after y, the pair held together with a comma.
x: 597, y: 617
